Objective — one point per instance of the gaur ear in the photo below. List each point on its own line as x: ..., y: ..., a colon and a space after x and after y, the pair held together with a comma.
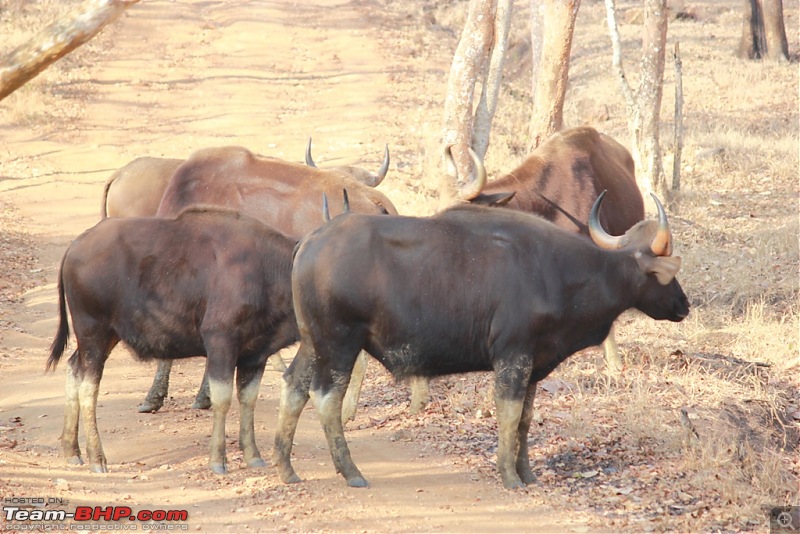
x: 495, y: 199
x: 664, y: 267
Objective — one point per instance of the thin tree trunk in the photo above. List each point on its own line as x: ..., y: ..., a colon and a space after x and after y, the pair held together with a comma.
x: 494, y: 75
x: 554, y: 23
x: 678, y: 140
x: 468, y: 62
x: 644, y: 106
x: 57, y: 40
x: 650, y: 91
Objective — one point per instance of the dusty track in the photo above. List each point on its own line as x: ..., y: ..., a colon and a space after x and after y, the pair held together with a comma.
x: 174, y: 77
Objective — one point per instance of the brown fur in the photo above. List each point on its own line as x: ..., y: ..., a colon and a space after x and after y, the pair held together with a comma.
x: 563, y: 177
x: 286, y: 196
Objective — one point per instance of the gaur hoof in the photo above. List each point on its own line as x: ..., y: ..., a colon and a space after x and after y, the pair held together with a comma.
x: 357, y: 482
x: 513, y: 484
x: 149, y: 406
x: 219, y: 469
x: 291, y: 478
x: 527, y: 477
x: 256, y: 462
x: 74, y: 460
x: 202, y: 404
x: 99, y: 468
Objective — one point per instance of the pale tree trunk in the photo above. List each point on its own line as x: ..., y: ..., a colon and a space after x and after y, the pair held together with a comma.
x: 485, y: 29
x: 644, y: 105
x: 494, y: 75
x: 57, y: 40
x: 763, y: 31
x: 678, y: 138
x: 552, y: 25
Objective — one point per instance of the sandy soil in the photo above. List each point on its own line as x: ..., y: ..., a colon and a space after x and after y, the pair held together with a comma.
x: 167, y: 79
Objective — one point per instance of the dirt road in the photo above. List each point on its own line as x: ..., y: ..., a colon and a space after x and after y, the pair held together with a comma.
x: 169, y: 78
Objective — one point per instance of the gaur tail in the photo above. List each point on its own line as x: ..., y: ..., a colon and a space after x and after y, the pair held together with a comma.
x: 62, y: 335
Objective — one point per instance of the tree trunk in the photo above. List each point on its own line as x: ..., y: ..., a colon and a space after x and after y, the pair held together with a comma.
x: 57, y: 40
x: 552, y: 25
x: 763, y: 31
x: 468, y: 64
x: 654, y: 48
x: 494, y: 75
x: 644, y: 106
x: 678, y: 139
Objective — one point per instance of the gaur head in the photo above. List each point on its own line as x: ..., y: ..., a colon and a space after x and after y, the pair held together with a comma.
x: 660, y: 295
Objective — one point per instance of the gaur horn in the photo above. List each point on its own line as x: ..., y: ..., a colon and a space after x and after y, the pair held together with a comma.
x: 309, y: 159
x: 326, y: 213
x: 345, y: 202
x: 384, y: 168
x: 662, y: 242
x: 473, y: 187
x: 596, y: 231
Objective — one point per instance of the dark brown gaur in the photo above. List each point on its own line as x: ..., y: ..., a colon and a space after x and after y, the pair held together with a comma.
x: 470, y: 289
x: 211, y: 282
x: 137, y: 189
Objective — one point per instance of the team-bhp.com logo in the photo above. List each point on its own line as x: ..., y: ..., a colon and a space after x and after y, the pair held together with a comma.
x: 32, y: 514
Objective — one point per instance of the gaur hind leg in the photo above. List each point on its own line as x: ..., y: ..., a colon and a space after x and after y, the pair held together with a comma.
x: 248, y: 380
x: 220, y: 369
x: 294, y: 397
x: 329, y: 385
x: 83, y: 381
x: 72, y: 412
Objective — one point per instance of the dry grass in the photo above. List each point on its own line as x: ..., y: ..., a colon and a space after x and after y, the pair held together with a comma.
x: 734, y: 363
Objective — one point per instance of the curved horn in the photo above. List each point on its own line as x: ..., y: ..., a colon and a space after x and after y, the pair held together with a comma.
x: 473, y: 187
x: 662, y: 242
x: 378, y: 178
x: 596, y: 231
x: 309, y: 159
x: 345, y: 202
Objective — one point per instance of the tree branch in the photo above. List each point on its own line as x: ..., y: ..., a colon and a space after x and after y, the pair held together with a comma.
x: 57, y: 40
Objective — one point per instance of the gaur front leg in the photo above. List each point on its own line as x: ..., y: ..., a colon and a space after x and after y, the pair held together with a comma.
x: 511, y: 394
x: 523, y: 457
x: 294, y: 397
x: 158, y: 391
x: 248, y: 380
x: 202, y: 401
x: 509, y: 412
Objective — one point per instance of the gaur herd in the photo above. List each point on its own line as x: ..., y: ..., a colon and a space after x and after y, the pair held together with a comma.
x: 230, y: 255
